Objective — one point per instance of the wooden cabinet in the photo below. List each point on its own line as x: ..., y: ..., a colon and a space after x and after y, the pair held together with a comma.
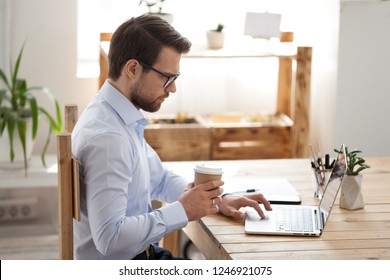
x: 179, y: 142
x: 222, y: 137
x: 262, y: 137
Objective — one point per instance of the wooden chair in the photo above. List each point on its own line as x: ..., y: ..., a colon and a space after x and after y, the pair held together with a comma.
x: 103, y: 60
x: 69, y: 191
x: 68, y: 185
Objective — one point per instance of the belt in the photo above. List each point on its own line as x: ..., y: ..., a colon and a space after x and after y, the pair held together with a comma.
x: 148, y: 254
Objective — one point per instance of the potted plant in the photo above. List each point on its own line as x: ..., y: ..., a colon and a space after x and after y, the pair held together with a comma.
x: 155, y: 7
x: 351, y: 196
x: 20, y: 115
x: 216, y: 37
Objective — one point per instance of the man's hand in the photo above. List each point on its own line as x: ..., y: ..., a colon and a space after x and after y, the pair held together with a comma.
x: 231, y: 204
x: 201, y: 200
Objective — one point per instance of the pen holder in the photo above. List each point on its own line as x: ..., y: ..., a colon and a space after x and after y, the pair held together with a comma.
x: 320, y: 180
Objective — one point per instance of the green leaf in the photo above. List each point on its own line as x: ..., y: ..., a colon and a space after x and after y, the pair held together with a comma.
x: 10, y: 119
x: 53, y: 126
x: 355, y: 152
x: 45, y: 147
x: 59, y: 117
x: 3, y: 121
x: 34, y: 113
x: 3, y: 93
x: 16, y: 70
x: 4, y: 79
x: 18, y: 101
x: 19, y: 97
x: 22, y: 129
x: 359, y: 161
x: 354, y: 161
x: 360, y: 169
x: 58, y: 125
x: 51, y: 120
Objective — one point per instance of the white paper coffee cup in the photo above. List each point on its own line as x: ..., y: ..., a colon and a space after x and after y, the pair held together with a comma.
x: 205, y: 172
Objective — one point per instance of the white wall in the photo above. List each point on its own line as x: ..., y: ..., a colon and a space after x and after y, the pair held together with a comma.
x: 215, y: 85
x: 5, y: 21
x: 50, y: 56
x: 49, y: 59
x: 363, y: 115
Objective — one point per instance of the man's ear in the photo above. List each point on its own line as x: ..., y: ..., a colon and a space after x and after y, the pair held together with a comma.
x: 132, y: 68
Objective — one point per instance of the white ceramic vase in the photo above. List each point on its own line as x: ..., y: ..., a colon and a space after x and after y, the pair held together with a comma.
x: 351, y: 197
x: 215, y: 39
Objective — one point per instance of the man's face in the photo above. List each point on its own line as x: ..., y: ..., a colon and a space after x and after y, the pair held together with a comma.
x: 149, y: 92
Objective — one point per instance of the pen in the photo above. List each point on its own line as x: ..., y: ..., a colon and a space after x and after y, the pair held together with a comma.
x: 247, y: 191
x: 327, y: 159
x: 318, y: 164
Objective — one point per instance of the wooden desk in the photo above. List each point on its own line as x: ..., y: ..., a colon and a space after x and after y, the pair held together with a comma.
x: 359, y: 234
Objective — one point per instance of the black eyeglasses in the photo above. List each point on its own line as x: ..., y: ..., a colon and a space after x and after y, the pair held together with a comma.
x: 170, y: 77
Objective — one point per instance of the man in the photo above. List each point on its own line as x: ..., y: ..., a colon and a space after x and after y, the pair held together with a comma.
x: 120, y: 174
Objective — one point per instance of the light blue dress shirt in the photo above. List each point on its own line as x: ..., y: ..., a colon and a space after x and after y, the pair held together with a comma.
x: 119, y: 176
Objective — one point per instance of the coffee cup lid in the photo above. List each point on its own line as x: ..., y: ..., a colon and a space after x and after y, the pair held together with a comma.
x: 208, y: 168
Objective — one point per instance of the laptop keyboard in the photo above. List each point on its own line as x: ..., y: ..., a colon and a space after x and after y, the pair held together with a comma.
x: 294, y: 219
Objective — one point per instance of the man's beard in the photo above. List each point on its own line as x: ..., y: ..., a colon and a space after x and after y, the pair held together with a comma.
x: 145, y: 104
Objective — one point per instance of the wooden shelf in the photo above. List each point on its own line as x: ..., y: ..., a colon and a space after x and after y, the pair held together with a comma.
x: 292, y: 102
x: 201, y: 52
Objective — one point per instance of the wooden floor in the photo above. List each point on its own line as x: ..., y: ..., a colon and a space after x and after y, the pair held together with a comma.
x: 43, y: 247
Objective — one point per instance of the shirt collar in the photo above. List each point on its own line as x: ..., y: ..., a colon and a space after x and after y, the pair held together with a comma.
x: 124, y: 108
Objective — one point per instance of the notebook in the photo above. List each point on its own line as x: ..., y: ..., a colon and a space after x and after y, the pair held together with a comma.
x: 277, y: 191
x: 299, y: 219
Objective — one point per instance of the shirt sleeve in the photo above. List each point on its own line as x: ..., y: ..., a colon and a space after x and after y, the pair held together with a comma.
x: 166, y: 185
x: 117, y: 219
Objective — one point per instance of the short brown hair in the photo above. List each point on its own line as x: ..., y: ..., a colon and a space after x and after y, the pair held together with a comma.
x: 142, y: 38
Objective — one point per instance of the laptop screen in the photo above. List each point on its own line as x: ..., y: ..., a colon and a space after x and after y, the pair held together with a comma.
x: 334, y: 183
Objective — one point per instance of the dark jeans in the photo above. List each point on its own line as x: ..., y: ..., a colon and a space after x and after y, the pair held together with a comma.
x: 157, y: 253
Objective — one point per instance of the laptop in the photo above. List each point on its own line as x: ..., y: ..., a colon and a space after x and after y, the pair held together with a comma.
x: 299, y: 219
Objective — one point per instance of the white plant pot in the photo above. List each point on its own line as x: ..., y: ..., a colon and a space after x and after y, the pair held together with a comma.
x: 351, y: 196
x: 215, y: 39
x: 5, y: 162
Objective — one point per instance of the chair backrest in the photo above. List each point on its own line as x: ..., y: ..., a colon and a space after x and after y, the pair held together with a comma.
x: 68, y: 185
x: 105, y: 39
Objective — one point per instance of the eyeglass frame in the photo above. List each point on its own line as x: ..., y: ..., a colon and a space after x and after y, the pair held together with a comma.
x: 171, y: 78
